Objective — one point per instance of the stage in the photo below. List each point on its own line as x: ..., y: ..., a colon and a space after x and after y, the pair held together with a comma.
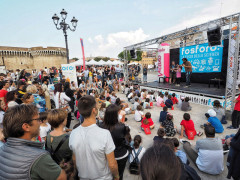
x: 198, y: 93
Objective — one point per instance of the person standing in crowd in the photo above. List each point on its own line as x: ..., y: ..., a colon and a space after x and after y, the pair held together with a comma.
x: 209, y: 155
x: 236, y: 113
x: 188, y: 69
x: 118, y: 71
x: 57, y: 118
x: 60, y: 98
x: 86, y: 74
x: 145, y: 74
x: 28, y: 159
x: 93, y: 147
x: 11, y: 99
x: 118, y: 131
x: 46, y: 93
x: 172, y: 75
x: 3, y: 91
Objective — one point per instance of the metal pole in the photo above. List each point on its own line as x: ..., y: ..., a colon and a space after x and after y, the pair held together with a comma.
x: 65, y: 34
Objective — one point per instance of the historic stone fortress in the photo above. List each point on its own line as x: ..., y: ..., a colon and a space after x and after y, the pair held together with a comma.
x: 32, y: 58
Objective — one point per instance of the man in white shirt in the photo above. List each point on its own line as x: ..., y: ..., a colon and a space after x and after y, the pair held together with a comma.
x: 93, y: 147
x: 82, y: 85
x: 86, y: 73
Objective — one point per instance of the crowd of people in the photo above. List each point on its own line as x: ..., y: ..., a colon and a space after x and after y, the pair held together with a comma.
x: 38, y: 140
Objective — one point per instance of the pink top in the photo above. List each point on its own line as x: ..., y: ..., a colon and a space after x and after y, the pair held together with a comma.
x: 178, y: 73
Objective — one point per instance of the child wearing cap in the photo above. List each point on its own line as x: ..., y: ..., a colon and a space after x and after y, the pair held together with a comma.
x: 214, y: 121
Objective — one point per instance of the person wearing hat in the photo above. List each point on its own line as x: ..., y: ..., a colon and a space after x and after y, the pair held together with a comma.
x: 214, y: 121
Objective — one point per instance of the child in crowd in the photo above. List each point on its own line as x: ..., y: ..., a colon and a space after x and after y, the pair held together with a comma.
x: 160, y: 134
x: 130, y: 95
x: 220, y: 114
x: 136, y: 103
x: 186, y: 105
x: 55, y: 79
x: 168, y: 125
x: 165, y: 96
x: 182, y: 155
x: 108, y: 101
x: 45, y: 127
x: 187, y: 128
x: 174, y: 99
x: 126, y: 90
x: 102, y: 111
x: 134, y: 96
x: 147, y: 121
x: 214, y: 121
x: 138, y: 114
x: 160, y: 99
x: 122, y: 88
x: 137, y: 149
x: 163, y: 114
x: 122, y: 114
x: 143, y: 94
x: 146, y: 104
x: 178, y: 75
x: 113, y: 97
x: 169, y: 102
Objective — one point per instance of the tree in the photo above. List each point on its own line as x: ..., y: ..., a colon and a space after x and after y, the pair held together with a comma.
x: 138, y: 52
x: 75, y: 59
x: 106, y: 58
x: 97, y: 58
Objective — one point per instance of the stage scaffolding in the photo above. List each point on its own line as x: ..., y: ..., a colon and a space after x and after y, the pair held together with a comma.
x: 230, y: 22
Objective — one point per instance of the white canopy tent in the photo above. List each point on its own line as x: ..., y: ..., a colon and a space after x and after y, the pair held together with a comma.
x: 77, y: 63
x: 133, y: 63
x: 91, y: 62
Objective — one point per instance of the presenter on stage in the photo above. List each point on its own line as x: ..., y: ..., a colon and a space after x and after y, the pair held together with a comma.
x: 188, y: 68
x: 173, y: 69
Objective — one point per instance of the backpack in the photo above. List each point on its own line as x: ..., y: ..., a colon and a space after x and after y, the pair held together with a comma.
x: 134, y: 165
x: 53, y: 152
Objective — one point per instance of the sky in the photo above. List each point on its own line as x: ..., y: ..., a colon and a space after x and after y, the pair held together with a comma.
x: 106, y: 26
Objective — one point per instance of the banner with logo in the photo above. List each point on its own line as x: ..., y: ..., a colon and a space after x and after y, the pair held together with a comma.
x: 163, y: 60
x: 69, y: 71
x: 204, y: 58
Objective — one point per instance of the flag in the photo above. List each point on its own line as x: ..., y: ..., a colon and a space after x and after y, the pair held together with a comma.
x: 81, y: 41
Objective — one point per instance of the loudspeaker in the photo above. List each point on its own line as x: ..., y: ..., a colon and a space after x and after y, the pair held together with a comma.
x: 132, y: 54
x: 214, y: 36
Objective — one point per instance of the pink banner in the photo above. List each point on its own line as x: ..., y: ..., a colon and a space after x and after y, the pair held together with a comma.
x: 163, y: 60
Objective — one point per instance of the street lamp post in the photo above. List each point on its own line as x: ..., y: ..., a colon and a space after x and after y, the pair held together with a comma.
x: 64, y: 26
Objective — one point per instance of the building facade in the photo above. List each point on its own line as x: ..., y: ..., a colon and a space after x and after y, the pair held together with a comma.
x: 32, y: 58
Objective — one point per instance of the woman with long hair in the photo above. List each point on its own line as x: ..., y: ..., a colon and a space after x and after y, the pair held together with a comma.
x: 11, y: 98
x: 118, y: 131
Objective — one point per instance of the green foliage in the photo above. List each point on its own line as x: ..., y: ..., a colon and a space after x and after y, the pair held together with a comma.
x: 75, y: 59
x: 97, y: 58
x: 138, y: 52
x: 106, y: 58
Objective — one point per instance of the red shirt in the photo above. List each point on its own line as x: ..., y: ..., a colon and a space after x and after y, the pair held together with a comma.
x: 188, y: 126
x: 147, y: 125
x: 174, y: 100
x: 237, y: 105
x: 3, y: 93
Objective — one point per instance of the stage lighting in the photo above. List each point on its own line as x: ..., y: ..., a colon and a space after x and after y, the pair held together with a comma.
x: 214, y: 36
x: 133, y: 54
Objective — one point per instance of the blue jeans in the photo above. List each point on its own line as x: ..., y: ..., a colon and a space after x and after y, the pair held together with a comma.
x: 144, y: 78
x: 118, y: 75
x: 188, y: 78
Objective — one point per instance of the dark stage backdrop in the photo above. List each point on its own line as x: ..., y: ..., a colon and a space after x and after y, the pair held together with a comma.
x: 204, y: 77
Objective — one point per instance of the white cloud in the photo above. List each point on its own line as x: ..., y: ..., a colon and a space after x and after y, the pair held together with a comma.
x: 213, y: 11
x: 113, y: 43
x: 90, y: 40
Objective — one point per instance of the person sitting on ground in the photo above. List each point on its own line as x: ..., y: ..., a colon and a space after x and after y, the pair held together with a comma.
x: 137, y: 149
x: 96, y: 143
x: 185, y: 105
x: 209, y: 156
x: 214, y: 121
x: 174, y: 99
x: 169, y: 102
x: 160, y: 162
x: 102, y: 111
x: 165, y: 97
x: 160, y: 134
x: 220, y: 113
x: 233, y: 160
x: 182, y: 155
x: 108, y: 101
x: 29, y: 160
x: 168, y: 125
x: 126, y: 90
x: 187, y: 128
x: 159, y: 99
x: 146, y: 104
x: 163, y: 114
x: 130, y: 95
x: 136, y: 103
x: 57, y: 118
x: 147, y: 121
x: 122, y: 114
x: 138, y: 114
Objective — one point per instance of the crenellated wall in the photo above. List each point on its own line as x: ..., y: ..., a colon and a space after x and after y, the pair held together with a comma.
x: 32, y: 58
